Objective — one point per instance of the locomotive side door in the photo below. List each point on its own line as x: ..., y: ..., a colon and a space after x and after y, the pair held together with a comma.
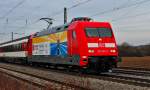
x: 72, y: 42
x: 73, y: 47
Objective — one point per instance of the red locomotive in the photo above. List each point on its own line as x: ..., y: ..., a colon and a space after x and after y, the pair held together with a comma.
x: 81, y: 44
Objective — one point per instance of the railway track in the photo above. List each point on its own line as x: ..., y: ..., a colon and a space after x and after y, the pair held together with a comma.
x: 137, y: 77
x: 139, y: 68
x: 132, y: 71
x: 138, y: 80
x: 38, y: 80
x: 125, y: 76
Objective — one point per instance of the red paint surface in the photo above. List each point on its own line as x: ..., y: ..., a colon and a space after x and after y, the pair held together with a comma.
x: 79, y: 45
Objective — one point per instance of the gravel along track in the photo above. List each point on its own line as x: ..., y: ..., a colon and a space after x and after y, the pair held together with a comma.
x: 92, y: 82
x: 37, y: 80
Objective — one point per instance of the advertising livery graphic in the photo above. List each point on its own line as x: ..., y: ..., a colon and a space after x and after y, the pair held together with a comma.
x: 52, y: 44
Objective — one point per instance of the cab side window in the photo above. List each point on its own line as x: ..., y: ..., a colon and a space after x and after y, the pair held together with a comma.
x: 73, y: 34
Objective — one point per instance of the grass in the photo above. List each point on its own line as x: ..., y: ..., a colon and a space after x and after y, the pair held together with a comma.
x: 139, y: 62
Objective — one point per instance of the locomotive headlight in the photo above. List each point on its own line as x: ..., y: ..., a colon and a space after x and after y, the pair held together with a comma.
x: 111, y: 45
x: 84, y: 56
x: 91, y: 51
x: 113, y: 51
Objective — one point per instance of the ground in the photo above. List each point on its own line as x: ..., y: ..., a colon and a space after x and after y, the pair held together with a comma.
x: 136, y: 62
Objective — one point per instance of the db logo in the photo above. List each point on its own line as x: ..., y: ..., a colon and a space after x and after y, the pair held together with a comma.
x: 101, y: 44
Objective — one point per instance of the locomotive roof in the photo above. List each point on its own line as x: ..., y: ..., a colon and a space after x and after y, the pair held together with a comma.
x: 26, y: 37
x: 61, y: 27
x: 55, y: 29
x: 52, y: 30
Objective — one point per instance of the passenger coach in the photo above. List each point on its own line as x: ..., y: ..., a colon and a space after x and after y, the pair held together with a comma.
x: 14, y: 50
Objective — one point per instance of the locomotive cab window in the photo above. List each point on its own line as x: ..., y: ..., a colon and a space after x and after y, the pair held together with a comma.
x: 98, y: 32
x: 73, y: 34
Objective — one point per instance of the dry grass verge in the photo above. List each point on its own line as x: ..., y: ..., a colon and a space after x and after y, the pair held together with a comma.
x: 135, y: 62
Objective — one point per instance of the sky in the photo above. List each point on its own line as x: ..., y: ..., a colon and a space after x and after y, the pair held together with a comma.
x: 130, y: 19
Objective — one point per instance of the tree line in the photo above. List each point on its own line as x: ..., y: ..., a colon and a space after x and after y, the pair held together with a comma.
x: 127, y: 50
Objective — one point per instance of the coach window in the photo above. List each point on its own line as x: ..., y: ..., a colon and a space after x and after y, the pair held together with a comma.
x: 73, y: 34
x: 5, y: 48
x: 19, y: 47
x: 8, y: 48
x: 14, y: 47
